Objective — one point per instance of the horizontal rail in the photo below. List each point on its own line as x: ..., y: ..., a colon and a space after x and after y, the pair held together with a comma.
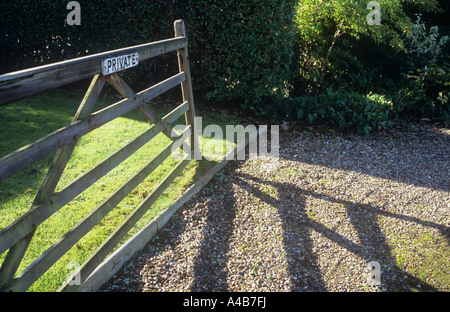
x: 79, y: 185
x: 103, y: 251
x: 115, y: 261
x: 24, y: 83
x: 57, y: 250
x: 38, y: 214
x: 29, y: 154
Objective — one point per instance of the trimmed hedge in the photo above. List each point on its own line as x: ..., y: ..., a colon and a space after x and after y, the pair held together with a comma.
x: 239, y: 50
x: 35, y: 32
x: 245, y: 49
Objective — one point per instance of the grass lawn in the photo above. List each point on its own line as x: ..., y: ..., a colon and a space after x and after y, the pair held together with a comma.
x: 27, y: 120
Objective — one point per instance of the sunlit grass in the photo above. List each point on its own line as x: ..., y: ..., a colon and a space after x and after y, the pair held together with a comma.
x: 30, y: 119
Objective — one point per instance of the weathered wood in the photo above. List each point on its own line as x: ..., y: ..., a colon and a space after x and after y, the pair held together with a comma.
x: 30, y: 220
x: 17, y: 85
x: 126, y: 91
x: 16, y: 253
x: 114, y: 262
x: 102, y: 252
x: 24, y: 83
x: 27, y: 155
x: 57, y: 250
x: 186, y: 86
x: 173, y: 116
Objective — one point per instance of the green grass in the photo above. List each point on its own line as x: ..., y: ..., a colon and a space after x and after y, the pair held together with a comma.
x: 424, y: 255
x: 25, y: 121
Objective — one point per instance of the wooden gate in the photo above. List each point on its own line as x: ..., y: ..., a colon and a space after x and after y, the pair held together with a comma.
x: 103, y: 67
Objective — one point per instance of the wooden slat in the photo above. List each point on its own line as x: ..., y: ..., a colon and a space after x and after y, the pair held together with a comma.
x: 125, y: 90
x: 102, y: 252
x: 173, y: 116
x: 27, y: 155
x: 16, y: 253
x: 82, y: 183
x: 114, y: 262
x: 24, y: 83
x: 57, y: 250
x: 29, y: 221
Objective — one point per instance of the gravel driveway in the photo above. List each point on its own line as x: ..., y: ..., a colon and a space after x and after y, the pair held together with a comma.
x: 312, y: 220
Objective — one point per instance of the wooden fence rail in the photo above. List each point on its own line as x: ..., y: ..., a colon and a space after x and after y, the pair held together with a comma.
x: 22, y: 84
x: 16, y: 237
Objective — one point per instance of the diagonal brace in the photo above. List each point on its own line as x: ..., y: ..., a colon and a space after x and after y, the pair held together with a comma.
x: 125, y: 90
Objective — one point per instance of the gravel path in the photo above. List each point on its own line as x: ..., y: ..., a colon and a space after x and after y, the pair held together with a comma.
x: 312, y: 220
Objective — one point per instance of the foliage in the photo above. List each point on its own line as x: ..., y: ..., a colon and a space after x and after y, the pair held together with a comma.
x: 243, y: 50
x: 239, y: 51
x: 339, y: 50
x: 421, y: 43
x: 258, y: 55
x: 343, y: 110
x: 422, y: 91
x: 103, y: 27
x: 114, y: 25
x: 322, y: 25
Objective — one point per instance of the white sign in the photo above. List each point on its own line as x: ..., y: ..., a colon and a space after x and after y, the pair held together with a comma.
x: 119, y: 63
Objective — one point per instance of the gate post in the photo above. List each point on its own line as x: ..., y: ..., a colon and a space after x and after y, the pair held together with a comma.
x: 186, y: 88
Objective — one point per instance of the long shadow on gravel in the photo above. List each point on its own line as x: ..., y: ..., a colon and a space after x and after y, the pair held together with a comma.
x: 363, y: 218
x: 210, y: 267
x: 304, y: 272
x: 417, y: 162
x: 418, y: 157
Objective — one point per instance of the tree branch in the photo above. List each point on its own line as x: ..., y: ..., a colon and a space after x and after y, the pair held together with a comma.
x: 336, y: 35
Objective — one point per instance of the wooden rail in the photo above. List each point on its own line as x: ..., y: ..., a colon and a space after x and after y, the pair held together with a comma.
x: 16, y: 237
x: 24, y: 83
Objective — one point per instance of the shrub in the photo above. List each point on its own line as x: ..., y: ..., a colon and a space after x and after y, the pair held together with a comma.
x: 344, y: 110
x: 338, y: 49
x: 240, y: 51
x: 426, y: 76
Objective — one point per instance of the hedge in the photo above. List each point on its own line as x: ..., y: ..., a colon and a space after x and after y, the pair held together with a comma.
x: 240, y: 51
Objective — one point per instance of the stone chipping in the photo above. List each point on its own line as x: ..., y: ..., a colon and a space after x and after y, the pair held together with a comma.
x: 335, y: 212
